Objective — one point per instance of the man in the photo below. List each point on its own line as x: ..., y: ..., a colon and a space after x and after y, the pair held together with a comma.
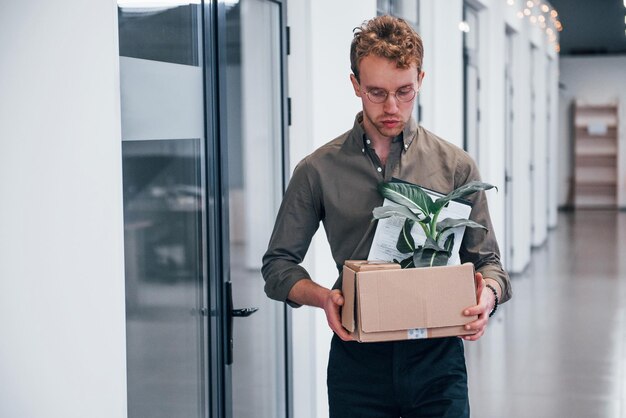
x: 337, y: 186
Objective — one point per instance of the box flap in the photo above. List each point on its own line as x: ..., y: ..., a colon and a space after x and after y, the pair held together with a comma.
x: 367, y: 265
x: 415, y: 298
x: 348, y: 289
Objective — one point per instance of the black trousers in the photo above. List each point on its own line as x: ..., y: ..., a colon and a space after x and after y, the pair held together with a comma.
x: 408, y: 379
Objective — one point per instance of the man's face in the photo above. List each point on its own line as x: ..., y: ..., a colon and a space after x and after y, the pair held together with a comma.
x: 387, y: 119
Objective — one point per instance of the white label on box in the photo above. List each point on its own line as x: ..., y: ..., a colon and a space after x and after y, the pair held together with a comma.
x: 417, y: 333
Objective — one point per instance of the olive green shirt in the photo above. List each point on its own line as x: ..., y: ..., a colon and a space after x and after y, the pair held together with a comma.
x: 337, y: 185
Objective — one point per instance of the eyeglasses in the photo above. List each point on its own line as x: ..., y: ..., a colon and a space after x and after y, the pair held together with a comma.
x: 404, y: 94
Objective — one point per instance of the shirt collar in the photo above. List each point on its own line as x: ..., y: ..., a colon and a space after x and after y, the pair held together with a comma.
x: 356, y: 139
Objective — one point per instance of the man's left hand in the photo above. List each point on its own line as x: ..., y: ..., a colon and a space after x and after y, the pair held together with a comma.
x: 486, y: 301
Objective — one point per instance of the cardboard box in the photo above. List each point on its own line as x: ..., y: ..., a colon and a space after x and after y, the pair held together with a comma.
x: 385, y: 303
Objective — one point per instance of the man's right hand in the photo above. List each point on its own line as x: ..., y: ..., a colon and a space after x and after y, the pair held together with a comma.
x: 332, y: 308
x: 307, y: 292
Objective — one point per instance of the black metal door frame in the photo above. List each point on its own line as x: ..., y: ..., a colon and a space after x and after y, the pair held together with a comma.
x: 218, y: 313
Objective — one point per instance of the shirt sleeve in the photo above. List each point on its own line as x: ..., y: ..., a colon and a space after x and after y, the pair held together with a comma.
x: 297, y: 221
x: 479, y: 246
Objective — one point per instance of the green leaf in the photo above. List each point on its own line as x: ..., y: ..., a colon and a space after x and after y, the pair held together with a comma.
x: 407, y: 263
x: 431, y: 244
x: 417, y: 258
x: 406, y: 243
x: 439, y: 258
x: 429, y: 258
x: 409, y: 195
x: 449, y: 244
x: 450, y: 223
x: 382, y: 212
x: 466, y: 189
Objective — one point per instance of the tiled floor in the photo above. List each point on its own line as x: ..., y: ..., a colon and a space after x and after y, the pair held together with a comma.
x: 558, y: 348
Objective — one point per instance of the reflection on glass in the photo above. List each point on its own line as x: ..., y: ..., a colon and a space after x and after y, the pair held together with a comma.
x: 159, y: 33
x: 163, y: 207
x: 254, y: 127
x: 163, y: 155
x: 471, y: 80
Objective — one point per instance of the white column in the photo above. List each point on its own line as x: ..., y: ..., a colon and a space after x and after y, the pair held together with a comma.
x: 62, y: 321
x: 323, y: 107
x: 442, y: 89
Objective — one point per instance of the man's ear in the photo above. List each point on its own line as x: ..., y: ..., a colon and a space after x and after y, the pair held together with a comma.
x: 355, y: 85
x: 420, y: 78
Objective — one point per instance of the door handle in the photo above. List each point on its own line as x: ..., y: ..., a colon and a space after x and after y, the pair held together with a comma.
x: 230, y: 314
x: 242, y: 313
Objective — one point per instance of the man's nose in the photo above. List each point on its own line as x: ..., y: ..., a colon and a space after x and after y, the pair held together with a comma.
x: 391, y: 103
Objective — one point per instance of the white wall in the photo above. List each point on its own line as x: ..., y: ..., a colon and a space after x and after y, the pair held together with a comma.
x: 553, y: 151
x: 492, y: 96
x: 62, y: 325
x: 441, y: 95
x: 323, y: 107
x: 539, y: 150
x: 595, y: 80
x: 531, y: 203
x: 304, y: 326
x: 520, y: 173
x: 442, y: 103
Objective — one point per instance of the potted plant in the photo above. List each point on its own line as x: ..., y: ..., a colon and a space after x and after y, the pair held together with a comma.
x: 416, y: 206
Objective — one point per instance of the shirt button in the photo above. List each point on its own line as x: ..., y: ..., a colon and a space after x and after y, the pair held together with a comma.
x: 363, y: 150
x: 367, y: 141
x: 379, y: 169
x: 406, y: 146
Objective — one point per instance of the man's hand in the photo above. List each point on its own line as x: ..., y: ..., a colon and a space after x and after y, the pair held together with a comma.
x: 332, y: 308
x: 307, y: 292
x: 486, y: 302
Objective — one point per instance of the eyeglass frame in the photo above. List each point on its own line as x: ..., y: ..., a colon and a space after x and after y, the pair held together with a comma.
x: 387, y: 93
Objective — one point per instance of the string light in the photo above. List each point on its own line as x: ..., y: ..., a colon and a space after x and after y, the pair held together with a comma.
x: 543, y: 15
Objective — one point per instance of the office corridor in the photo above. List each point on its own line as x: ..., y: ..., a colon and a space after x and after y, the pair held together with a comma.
x: 558, y: 348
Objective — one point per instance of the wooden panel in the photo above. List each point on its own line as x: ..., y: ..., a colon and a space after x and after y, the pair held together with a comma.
x: 595, y: 155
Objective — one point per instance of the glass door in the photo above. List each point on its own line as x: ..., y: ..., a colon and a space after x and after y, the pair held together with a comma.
x: 472, y: 82
x: 165, y: 210
x: 203, y: 99
x: 203, y: 178
x: 253, y: 138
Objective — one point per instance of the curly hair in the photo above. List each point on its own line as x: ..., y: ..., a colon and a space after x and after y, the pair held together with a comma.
x: 387, y: 37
